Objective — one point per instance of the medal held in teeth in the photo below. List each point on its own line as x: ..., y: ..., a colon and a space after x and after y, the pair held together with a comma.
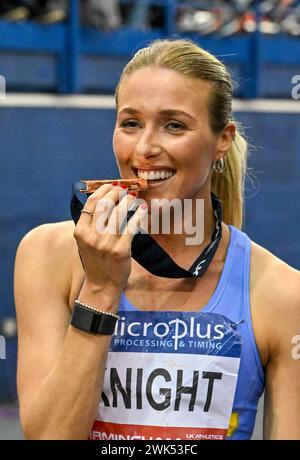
x: 137, y: 184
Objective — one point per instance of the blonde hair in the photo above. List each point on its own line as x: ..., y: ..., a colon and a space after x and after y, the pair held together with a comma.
x: 187, y: 58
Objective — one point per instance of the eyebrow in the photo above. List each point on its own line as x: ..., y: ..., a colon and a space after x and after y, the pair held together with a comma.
x: 166, y: 112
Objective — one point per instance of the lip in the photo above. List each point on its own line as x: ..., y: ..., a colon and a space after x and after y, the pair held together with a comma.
x: 154, y: 168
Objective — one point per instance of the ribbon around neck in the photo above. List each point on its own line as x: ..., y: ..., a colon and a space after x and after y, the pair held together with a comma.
x: 148, y: 253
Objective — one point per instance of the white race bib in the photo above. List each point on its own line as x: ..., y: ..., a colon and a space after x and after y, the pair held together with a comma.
x: 169, y: 375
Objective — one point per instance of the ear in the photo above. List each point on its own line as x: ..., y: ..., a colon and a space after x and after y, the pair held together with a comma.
x: 225, y: 140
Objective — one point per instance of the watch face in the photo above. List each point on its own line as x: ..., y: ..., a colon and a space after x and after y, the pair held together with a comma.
x: 91, y: 321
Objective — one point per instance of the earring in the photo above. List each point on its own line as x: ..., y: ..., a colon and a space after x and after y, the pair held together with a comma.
x: 219, y: 165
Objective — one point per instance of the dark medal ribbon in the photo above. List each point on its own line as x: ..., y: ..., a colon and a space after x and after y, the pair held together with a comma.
x: 148, y: 253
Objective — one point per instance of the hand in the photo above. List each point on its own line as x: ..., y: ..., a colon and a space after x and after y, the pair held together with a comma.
x: 105, y: 252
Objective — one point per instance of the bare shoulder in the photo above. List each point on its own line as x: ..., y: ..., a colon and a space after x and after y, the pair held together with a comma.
x: 273, y: 279
x: 55, y: 239
x: 275, y: 298
x: 50, y: 247
x: 57, y: 230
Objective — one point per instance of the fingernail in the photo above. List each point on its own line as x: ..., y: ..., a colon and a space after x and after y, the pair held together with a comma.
x: 144, y: 206
x: 132, y: 193
x: 114, y: 183
x: 124, y: 186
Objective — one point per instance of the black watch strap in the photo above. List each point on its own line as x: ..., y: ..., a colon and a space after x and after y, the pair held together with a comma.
x: 91, y: 321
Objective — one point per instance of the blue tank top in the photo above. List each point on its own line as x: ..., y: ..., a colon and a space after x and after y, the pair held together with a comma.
x: 231, y: 299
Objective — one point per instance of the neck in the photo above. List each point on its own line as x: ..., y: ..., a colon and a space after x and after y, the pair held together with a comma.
x: 195, y: 233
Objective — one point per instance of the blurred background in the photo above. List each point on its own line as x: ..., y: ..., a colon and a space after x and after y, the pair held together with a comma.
x: 59, y: 64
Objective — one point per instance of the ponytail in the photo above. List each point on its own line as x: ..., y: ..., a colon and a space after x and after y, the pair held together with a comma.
x: 229, y: 185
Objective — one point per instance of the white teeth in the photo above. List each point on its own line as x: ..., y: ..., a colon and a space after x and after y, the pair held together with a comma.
x: 154, y: 175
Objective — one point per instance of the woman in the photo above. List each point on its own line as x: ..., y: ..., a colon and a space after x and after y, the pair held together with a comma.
x: 173, y: 117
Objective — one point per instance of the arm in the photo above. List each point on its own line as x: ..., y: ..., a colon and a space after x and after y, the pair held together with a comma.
x: 282, y: 396
x: 60, y: 369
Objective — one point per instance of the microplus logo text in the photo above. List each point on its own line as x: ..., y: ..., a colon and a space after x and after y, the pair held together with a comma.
x: 175, y: 329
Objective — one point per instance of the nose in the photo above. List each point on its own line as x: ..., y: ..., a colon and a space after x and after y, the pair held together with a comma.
x: 148, y: 144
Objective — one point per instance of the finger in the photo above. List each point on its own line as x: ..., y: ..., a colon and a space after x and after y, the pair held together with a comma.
x: 105, y: 207
x: 91, y: 203
x: 118, y: 218
x: 138, y: 220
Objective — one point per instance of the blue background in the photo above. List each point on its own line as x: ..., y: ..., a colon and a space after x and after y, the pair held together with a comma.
x: 45, y: 150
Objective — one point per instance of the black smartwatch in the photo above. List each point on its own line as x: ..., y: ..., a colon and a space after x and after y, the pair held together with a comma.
x: 88, y: 319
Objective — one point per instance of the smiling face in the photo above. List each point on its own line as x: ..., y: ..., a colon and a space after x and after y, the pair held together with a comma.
x: 163, y: 133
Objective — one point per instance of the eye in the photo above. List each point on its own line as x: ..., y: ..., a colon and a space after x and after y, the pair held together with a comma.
x: 176, y: 126
x: 130, y: 124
